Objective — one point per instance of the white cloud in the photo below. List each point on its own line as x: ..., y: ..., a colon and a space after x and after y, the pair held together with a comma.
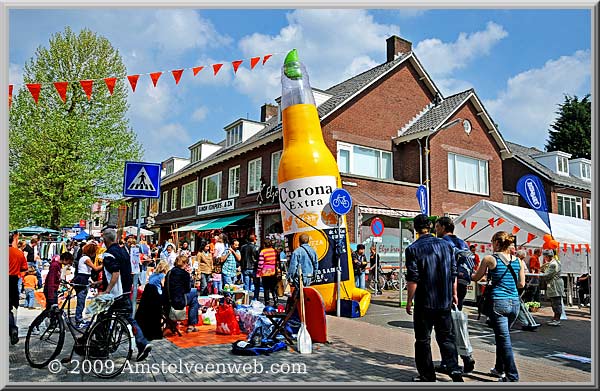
x: 200, y: 114
x: 527, y: 106
x: 152, y: 104
x: 166, y: 140
x: 333, y: 45
x: 409, y: 13
x: 15, y: 74
x: 441, y: 59
x: 450, y: 86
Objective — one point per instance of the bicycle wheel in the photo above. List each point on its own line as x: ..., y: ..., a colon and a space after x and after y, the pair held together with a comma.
x: 109, y: 346
x: 45, y: 338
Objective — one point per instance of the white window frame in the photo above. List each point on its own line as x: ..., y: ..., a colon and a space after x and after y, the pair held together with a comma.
x: 565, y: 165
x: 234, y: 135
x: 577, y: 202
x: 233, y: 188
x: 275, y: 167
x: 174, y: 198
x: 194, y: 189
x: 196, y: 154
x: 169, y: 167
x: 586, y: 171
x: 342, y: 146
x: 588, y: 206
x: 165, y: 201
x: 485, y: 174
x: 254, y: 187
x: 204, y: 187
x: 144, y: 211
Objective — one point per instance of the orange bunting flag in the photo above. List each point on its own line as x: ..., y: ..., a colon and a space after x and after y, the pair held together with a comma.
x: 254, y: 61
x: 236, y: 65
x: 515, y: 230
x: 216, y: 68
x: 265, y: 58
x: 110, y: 84
x: 500, y: 221
x: 155, y: 76
x: 10, y: 89
x: 573, y: 248
x: 565, y: 247
x: 530, y: 237
x: 133, y: 79
x: 464, y: 223
x: 491, y: 222
x: 87, y: 87
x: 580, y: 246
x: 61, y: 88
x: 34, y: 89
x: 177, y: 75
x: 196, y: 70
x: 587, y: 247
x: 473, y: 224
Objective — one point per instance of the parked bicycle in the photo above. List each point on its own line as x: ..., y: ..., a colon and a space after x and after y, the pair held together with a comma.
x: 386, y: 280
x: 106, y: 343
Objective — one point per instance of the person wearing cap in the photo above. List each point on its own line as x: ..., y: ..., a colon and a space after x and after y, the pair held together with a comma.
x: 431, y: 280
x: 554, y: 285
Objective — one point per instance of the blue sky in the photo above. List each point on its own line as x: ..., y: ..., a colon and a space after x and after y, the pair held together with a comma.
x: 520, y: 62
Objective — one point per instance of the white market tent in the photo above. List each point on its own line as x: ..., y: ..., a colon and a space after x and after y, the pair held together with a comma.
x: 473, y: 226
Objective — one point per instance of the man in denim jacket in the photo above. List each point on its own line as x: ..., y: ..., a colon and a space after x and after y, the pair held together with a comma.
x: 305, y: 257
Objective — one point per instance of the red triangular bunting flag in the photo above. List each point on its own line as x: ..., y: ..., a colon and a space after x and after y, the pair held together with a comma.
x: 34, y: 89
x: 133, y: 79
x: 530, y: 237
x: 61, y: 88
x: 500, y: 221
x: 177, y: 75
x: 155, y: 76
x: 236, y: 64
x: 515, y: 230
x: 110, y: 84
x: 10, y: 89
x: 573, y: 248
x: 265, y: 58
x: 491, y: 222
x: 87, y: 87
x: 216, y: 68
x: 587, y: 247
x: 579, y: 247
x: 464, y: 223
x: 196, y: 70
x: 483, y: 248
x: 565, y: 247
x: 254, y: 61
x: 473, y: 224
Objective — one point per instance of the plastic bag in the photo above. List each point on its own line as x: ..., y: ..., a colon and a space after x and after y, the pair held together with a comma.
x: 226, y: 321
x: 209, y: 317
x: 460, y: 323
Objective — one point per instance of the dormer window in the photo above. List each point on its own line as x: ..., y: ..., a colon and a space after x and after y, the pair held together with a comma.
x: 234, y: 135
x: 196, y: 154
x: 586, y: 171
x: 563, y: 165
x: 169, y: 167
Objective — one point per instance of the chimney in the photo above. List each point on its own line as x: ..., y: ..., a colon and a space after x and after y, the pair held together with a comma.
x: 397, y: 45
x: 268, y: 111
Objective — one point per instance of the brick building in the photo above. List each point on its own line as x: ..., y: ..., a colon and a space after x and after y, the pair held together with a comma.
x: 390, y: 129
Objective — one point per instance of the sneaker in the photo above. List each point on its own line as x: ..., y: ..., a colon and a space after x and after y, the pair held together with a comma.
x: 468, y: 364
x: 14, y: 336
x: 554, y: 323
x: 495, y: 372
x: 442, y: 369
x: 142, y: 354
x: 456, y: 376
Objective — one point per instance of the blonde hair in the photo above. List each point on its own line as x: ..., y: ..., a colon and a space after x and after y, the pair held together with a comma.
x: 162, y: 267
x: 131, y: 241
x: 503, y: 240
x: 181, y: 261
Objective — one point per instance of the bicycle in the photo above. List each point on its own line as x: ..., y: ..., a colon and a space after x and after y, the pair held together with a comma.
x: 106, y: 342
x: 386, y: 281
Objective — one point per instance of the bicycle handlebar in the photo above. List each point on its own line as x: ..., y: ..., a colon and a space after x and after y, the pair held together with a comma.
x: 65, y: 282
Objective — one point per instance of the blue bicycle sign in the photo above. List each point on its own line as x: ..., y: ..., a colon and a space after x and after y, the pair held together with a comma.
x: 340, y: 201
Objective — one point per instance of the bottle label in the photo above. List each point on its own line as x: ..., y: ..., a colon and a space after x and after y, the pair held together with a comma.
x: 305, y: 208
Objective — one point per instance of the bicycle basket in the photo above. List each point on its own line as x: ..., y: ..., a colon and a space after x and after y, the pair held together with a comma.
x: 98, y: 305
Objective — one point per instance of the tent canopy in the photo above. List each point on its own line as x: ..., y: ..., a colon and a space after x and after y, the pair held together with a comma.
x: 37, y: 230
x: 130, y: 230
x: 82, y: 235
x: 194, y: 226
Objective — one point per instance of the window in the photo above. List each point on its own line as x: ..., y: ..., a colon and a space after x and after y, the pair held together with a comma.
x: 563, y: 165
x: 254, y: 173
x: 211, y: 188
x: 196, y: 154
x: 569, y: 206
x: 144, y: 211
x: 234, y: 135
x: 586, y: 171
x: 354, y: 159
x: 234, y: 182
x: 174, y: 198
x: 467, y: 174
x: 188, y: 194
x: 164, y: 200
x: 169, y: 167
x: 275, y: 158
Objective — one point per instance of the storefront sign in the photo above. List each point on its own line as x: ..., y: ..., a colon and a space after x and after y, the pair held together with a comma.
x: 267, y: 194
x: 215, y: 207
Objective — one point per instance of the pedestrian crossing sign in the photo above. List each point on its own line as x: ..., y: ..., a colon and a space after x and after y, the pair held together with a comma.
x: 141, y: 180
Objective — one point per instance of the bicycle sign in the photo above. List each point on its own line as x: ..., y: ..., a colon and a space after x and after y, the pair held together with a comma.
x: 340, y: 201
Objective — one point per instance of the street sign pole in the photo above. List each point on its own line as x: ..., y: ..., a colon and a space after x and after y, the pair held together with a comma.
x: 338, y: 269
x: 340, y: 202
x: 139, y: 220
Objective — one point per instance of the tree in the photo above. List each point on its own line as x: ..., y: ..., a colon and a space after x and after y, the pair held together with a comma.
x: 572, y: 130
x: 63, y: 156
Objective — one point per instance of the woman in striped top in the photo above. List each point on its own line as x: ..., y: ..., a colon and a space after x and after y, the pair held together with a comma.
x: 267, y: 270
x: 507, y: 273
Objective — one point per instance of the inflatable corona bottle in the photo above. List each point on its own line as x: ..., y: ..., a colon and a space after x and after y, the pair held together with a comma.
x: 308, y: 174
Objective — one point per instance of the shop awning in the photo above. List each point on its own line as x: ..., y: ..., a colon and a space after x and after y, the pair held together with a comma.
x: 194, y: 226
x: 223, y: 222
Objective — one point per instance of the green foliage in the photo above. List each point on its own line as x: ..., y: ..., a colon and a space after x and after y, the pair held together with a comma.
x: 63, y: 156
x: 572, y: 130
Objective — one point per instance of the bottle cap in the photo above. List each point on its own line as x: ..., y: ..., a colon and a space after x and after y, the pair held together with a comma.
x: 291, y: 65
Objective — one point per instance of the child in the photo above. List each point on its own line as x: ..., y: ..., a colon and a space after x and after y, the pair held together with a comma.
x: 158, y: 277
x: 30, y: 282
x: 217, y: 283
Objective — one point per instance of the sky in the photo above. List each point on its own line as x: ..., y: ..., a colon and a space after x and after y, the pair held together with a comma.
x: 521, y: 63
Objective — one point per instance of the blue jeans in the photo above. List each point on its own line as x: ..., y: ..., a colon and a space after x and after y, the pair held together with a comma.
x: 29, y: 298
x: 20, y: 285
x: 204, y: 284
x: 218, y: 285
x: 359, y: 280
x: 80, y: 305
x: 248, y: 277
x: 192, y: 300
x: 228, y: 279
x: 504, y: 314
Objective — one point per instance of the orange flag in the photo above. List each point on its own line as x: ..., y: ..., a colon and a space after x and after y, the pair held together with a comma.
x: 565, y: 247
x: 265, y: 58
x: 110, y: 84
x: 155, y: 76
x: 87, y: 87
x: 515, y: 230
x: 61, y: 88
x: 10, y: 89
x: 473, y: 224
x: 530, y: 237
x: 573, y: 248
x: 196, y: 70
x: 133, y: 79
x: 34, y: 89
x: 491, y: 222
x: 587, y: 247
x: 216, y: 68
x: 236, y: 64
x: 500, y: 221
x: 254, y: 61
x: 177, y: 75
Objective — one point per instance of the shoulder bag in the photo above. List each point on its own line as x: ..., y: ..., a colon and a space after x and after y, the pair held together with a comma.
x: 485, y: 303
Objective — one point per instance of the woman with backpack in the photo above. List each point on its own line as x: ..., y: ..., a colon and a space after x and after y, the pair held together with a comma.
x: 507, y: 274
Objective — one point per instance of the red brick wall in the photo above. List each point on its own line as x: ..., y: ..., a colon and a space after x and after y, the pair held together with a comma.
x: 406, y: 162
x: 478, y: 144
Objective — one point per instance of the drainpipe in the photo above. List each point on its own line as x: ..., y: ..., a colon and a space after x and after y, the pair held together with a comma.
x: 427, y: 172
x: 420, y: 161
